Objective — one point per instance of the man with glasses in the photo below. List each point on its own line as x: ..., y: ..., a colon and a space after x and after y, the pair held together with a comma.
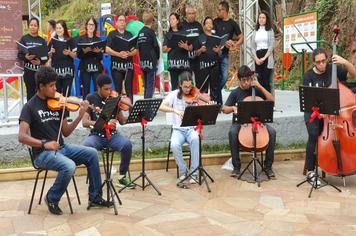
x: 246, y: 80
x: 320, y: 76
x: 223, y: 24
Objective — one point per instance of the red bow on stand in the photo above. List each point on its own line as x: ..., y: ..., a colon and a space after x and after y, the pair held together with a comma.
x: 255, y: 124
x: 107, y: 128
x: 315, y: 114
x: 199, y: 128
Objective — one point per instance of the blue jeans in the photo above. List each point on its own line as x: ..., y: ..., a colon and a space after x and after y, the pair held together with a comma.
x: 223, y: 74
x: 118, y: 143
x: 64, y: 162
x: 178, y: 138
x: 149, y: 83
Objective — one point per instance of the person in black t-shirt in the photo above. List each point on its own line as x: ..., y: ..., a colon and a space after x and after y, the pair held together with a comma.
x: 223, y: 24
x: 320, y: 76
x: 99, y: 140
x: 90, y: 59
x: 51, y: 154
x: 31, y: 63
x: 149, y: 54
x: 239, y: 94
x: 177, y: 56
x: 191, y: 26
x: 121, y: 61
x: 63, y: 61
x: 208, y: 61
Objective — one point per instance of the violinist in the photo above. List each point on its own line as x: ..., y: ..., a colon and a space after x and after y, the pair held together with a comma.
x: 239, y: 94
x: 100, y: 140
x: 320, y: 76
x: 51, y: 154
x: 176, y: 104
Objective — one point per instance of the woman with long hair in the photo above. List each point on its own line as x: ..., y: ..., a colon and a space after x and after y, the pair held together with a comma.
x: 62, y: 57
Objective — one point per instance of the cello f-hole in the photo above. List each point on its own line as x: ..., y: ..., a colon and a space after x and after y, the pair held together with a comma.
x: 327, y: 133
x: 350, y: 134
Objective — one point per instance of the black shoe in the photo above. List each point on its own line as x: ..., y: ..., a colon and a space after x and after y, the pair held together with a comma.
x: 235, y: 173
x: 53, y: 207
x: 100, y: 202
x: 270, y: 173
x: 125, y: 182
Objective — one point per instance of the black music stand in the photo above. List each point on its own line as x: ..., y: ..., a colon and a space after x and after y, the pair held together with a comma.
x: 261, y: 111
x: 142, y: 112
x: 107, y: 111
x: 200, y: 115
x: 326, y: 101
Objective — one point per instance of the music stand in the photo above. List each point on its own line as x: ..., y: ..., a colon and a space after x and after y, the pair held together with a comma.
x: 142, y: 112
x: 249, y: 111
x: 326, y: 101
x: 200, y: 115
x: 107, y: 111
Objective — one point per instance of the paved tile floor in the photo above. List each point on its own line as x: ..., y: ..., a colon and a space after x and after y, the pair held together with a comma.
x: 232, y: 208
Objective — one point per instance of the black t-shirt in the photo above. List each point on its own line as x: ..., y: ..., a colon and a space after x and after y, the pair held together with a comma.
x: 148, y: 48
x: 208, y: 58
x: 313, y: 79
x: 226, y: 27
x: 97, y: 101
x: 238, y: 95
x: 29, y: 40
x: 192, y: 28
x: 62, y: 64
x: 91, y: 61
x: 177, y: 57
x: 118, y: 63
x: 44, y: 123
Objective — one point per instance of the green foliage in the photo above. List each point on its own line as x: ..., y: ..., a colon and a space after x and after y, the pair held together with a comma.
x: 326, y: 10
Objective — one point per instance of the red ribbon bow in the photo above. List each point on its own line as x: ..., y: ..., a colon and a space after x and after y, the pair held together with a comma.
x: 199, y: 128
x: 108, y: 128
x: 315, y: 114
x: 144, y: 122
x: 255, y: 124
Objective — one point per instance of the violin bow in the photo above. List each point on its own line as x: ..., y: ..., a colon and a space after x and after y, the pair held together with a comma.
x: 62, y: 118
x: 206, y: 78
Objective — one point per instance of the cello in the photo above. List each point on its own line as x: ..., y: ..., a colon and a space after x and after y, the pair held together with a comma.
x: 337, y: 142
x: 245, y: 135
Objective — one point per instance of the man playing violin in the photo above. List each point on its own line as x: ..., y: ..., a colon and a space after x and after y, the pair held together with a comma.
x: 245, y: 76
x: 175, y: 103
x: 99, y: 140
x: 320, y: 76
x: 50, y: 154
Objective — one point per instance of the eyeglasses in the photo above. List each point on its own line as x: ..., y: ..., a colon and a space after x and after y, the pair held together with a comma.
x: 121, y: 20
x: 90, y: 24
x: 320, y: 62
x: 245, y: 79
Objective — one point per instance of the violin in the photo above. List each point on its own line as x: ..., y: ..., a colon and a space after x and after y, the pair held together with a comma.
x: 195, y: 97
x: 59, y: 102
x: 124, y: 103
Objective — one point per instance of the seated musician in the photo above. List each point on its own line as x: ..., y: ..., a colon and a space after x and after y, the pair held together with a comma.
x: 237, y: 95
x: 320, y: 76
x: 175, y: 103
x: 99, y: 140
x: 51, y: 154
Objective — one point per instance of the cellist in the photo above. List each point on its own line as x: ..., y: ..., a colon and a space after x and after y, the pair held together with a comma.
x: 239, y: 94
x: 320, y: 76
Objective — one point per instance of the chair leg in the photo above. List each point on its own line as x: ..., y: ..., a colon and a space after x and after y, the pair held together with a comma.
x: 69, y: 202
x: 43, y: 184
x: 262, y: 159
x: 34, y: 192
x: 129, y: 173
x: 76, y: 190
x: 169, y: 152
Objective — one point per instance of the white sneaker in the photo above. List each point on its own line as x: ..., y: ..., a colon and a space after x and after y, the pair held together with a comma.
x: 311, y: 178
x: 193, y: 179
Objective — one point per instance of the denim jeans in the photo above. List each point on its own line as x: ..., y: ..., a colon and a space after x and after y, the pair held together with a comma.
x: 178, y: 138
x: 118, y: 143
x: 86, y: 78
x: 223, y: 74
x: 149, y: 83
x: 64, y: 162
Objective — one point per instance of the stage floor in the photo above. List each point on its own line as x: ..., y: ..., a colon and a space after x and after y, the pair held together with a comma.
x: 232, y: 208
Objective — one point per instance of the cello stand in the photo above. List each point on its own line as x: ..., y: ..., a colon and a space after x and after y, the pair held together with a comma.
x: 323, y: 182
x: 254, y: 161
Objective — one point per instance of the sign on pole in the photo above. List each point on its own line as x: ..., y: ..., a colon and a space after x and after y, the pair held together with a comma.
x: 105, y: 9
x: 300, y: 29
